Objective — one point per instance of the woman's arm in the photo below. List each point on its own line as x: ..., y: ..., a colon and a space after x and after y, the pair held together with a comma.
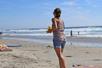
x: 54, y: 24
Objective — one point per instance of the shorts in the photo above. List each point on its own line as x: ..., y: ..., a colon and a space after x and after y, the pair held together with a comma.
x: 58, y: 43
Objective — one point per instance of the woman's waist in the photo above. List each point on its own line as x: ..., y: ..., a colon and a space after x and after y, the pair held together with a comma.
x: 60, y: 35
x: 59, y: 30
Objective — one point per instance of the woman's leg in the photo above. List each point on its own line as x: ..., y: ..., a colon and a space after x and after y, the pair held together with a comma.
x: 63, y: 45
x: 60, y: 57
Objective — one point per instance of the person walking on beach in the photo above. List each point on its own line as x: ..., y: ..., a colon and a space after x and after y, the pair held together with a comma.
x: 58, y: 36
x: 71, y: 33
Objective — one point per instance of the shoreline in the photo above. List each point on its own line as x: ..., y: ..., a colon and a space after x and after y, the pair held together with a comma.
x: 71, y: 41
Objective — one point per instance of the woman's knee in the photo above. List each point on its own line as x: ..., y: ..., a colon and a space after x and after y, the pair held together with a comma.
x: 60, y: 56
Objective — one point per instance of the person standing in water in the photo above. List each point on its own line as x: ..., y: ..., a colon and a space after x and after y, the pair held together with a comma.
x: 58, y: 36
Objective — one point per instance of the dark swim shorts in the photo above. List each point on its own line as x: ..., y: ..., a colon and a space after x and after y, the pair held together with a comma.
x: 58, y: 43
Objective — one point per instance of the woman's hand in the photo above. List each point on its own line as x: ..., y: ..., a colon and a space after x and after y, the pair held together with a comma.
x: 49, y: 29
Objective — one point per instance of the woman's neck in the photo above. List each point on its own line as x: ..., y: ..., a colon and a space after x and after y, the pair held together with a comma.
x: 57, y: 17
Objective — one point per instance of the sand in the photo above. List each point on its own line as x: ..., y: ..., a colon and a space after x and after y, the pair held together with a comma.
x: 42, y: 55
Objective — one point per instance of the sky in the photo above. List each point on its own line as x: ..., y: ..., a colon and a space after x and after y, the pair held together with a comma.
x: 38, y: 13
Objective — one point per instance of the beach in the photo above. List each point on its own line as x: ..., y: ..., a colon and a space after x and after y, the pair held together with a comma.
x: 29, y: 28
x: 42, y: 55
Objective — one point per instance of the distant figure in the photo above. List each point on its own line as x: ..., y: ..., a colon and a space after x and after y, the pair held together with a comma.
x: 0, y: 33
x: 58, y: 36
x: 71, y: 33
x: 78, y: 32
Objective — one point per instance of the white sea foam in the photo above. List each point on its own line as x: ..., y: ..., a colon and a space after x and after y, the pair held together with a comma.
x: 32, y: 34
x: 86, y: 32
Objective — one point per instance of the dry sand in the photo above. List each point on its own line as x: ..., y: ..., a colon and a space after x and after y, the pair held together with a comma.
x: 37, y: 55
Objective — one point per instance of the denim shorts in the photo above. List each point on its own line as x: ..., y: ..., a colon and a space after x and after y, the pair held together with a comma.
x: 58, y: 43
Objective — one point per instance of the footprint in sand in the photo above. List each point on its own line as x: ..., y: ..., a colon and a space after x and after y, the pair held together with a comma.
x: 68, y: 56
x: 86, y: 66
x: 97, y: 59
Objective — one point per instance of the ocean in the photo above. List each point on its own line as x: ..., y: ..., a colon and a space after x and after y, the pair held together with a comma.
x: 85, y: 32
x: 94, y: 35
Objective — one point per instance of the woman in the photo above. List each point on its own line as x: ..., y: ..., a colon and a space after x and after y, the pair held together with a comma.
x: 58, y: 36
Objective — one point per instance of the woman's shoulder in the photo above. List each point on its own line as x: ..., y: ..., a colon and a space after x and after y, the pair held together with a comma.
x: 61, y: 19
x: 52, y: 19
